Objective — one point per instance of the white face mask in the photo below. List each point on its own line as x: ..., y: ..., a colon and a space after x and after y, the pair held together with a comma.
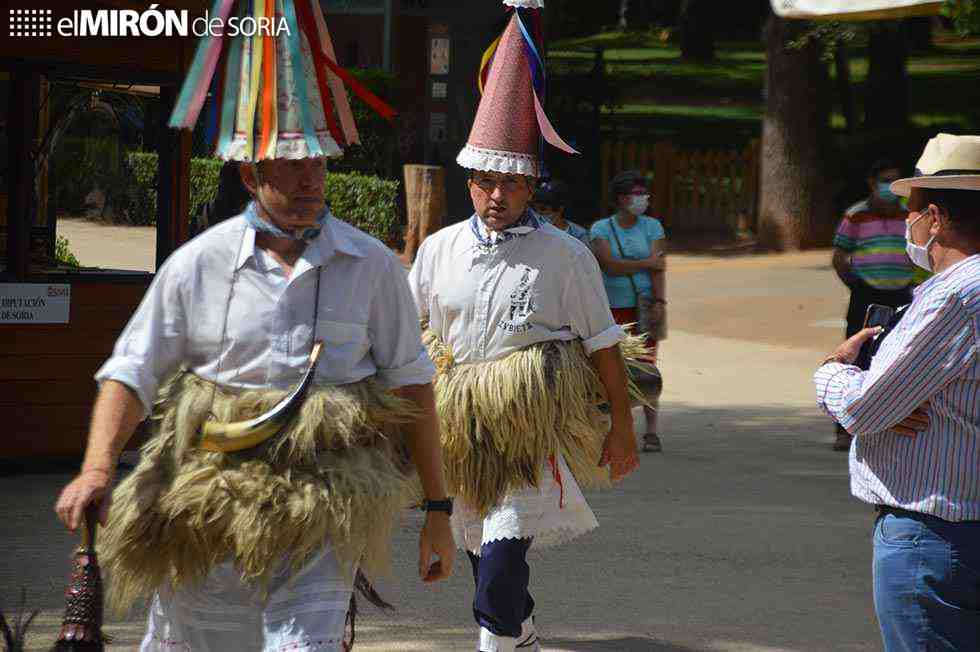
x: 638, y: 204
x: 918, y: 254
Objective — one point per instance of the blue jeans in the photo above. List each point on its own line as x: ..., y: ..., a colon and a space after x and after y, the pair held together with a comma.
x: 927, y: 582
x: 501, y: 602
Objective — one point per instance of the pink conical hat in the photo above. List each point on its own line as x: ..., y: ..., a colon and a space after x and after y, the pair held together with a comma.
x: 507, y: 131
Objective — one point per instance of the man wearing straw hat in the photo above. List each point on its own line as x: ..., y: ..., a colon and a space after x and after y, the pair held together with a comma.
x: 253, y: 509
x: 525, y: 345
x: 915, y: 415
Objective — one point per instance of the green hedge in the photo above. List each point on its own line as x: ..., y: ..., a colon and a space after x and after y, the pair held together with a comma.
x: 367, y: 202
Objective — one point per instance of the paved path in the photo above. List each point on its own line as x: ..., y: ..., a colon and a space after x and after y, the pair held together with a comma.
x: 740, y: 536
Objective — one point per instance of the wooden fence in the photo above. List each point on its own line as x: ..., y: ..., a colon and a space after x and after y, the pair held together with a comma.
x: 693, y: 191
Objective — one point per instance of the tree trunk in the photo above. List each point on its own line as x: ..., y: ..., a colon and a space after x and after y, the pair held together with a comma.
x: 886, y: 99
x: 696, y: 24
x: 425, y: 201
x: 796, y: 207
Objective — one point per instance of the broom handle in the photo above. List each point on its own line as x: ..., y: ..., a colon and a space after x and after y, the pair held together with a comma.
x: 91, y: 524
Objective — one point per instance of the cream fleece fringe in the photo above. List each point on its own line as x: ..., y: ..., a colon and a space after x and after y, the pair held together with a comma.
x: 335, y: 474
x: 500, y: 420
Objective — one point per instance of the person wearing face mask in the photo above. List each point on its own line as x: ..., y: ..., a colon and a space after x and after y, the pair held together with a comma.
x: 551, y: 201
x: 915, y: 415
x: 869, y: 255
x: 629, y: 246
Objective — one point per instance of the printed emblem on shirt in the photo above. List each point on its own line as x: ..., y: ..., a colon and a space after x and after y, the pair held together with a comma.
x: 521, y: 306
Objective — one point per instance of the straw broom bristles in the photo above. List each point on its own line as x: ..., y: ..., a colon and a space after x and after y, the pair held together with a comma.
x: 501, y: 419
x: 335, y: 474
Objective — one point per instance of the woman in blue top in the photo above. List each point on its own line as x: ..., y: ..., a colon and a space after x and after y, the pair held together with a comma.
x: 630, y: 249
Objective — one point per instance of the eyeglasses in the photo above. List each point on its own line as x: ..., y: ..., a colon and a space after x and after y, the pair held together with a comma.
x: 488, y: 184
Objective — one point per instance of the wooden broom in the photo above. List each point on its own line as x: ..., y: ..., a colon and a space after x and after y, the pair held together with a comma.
x: 81, y: 628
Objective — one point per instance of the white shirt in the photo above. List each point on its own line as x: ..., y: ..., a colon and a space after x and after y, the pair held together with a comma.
x: 486, y: 303
x: 367, y: 317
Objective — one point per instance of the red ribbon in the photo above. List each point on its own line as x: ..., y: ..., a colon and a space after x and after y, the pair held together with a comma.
x: 556, y: 474
x: 307, y: 25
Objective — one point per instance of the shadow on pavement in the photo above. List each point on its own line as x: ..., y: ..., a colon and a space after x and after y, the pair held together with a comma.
x: 627, y: 644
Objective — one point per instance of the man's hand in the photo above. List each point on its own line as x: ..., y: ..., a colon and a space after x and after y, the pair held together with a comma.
x: 89, y: 487
x: 436, y: 539
x: 619, y: 451
x: 914, y: 423
x: 847, y: 352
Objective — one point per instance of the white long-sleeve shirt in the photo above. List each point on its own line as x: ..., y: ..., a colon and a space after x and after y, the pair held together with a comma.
x: 367, y: 317
x: 487, y: 302
x: 933, y: 354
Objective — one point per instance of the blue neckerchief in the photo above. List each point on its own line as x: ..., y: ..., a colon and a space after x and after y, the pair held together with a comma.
x: 307, y: 234
x: 527, y: 223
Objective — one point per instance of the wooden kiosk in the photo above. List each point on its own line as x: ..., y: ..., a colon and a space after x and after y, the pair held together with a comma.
x: 46, y: 369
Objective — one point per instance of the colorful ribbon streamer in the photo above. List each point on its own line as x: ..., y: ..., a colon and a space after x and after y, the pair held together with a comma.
x: 195, y: 88
x: 344, y: 113
x: 299, y: 78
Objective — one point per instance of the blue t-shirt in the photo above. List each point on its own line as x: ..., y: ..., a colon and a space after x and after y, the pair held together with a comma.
x: 636, y: 246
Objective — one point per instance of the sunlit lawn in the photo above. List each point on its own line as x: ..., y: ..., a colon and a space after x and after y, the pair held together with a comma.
x: 654, y: 83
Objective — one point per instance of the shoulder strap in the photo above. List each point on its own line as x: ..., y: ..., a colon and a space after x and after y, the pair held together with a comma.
x: 612, y: 226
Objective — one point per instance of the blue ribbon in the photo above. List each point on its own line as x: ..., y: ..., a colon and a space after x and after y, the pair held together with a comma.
x: 230, y: 97
x: 299, y: 77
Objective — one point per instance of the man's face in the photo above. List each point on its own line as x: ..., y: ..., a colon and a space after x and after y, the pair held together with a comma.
x: 499, y: 199
x: 290, y: 191
x: 923, y: 218
x: 883, y: 180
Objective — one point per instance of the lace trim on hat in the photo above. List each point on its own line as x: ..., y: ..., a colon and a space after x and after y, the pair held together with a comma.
x: 286, y: 148
x: 493, y: 160
x: 525, y: 4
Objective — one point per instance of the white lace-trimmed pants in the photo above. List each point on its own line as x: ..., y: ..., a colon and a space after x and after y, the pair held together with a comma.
x: 554, y: 513
x: 307, y: 613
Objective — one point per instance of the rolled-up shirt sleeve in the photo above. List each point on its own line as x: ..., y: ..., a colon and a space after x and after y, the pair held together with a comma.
x: 940, y: 347
x: 154, y: 342
x: 396, y: 337
x: 587, y: 305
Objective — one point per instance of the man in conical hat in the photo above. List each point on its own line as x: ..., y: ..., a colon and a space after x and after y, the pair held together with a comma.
x: 525, y: 345
x: 253, y: 510
x: 915, y: 415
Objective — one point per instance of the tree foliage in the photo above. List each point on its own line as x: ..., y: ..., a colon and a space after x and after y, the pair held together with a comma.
x: 965, y: 15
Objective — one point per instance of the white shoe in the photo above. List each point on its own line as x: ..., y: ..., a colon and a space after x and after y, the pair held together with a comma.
x: 526, y: 642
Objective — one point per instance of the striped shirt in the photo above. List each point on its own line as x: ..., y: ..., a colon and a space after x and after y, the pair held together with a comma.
x: 933, y: 354
x: 877, y: 247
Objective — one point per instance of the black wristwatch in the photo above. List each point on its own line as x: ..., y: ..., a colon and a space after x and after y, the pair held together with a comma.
x: 437, y: 506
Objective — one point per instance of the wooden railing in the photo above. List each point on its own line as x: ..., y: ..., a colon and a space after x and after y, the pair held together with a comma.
x: 705, y: 191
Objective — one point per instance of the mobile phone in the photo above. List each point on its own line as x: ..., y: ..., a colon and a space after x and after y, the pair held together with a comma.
x: 878, y: 315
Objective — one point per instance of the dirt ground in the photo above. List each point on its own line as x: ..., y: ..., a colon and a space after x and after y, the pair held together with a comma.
x: 740, y: 536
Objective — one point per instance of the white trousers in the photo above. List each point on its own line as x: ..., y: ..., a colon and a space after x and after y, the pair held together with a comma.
x: 304, y: 614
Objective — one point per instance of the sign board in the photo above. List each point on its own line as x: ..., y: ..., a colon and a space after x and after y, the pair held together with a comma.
x: 440, y: 90
x: 854, y: 9
x: 439, y: 58
x: 34, y: 303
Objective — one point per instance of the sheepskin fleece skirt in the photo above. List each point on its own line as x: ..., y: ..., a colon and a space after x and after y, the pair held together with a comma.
x: 336, y: 474
x: 502, y: 420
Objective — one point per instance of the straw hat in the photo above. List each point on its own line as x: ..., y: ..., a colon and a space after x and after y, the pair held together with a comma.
x: 948, y: 163
x: 510, y: 121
